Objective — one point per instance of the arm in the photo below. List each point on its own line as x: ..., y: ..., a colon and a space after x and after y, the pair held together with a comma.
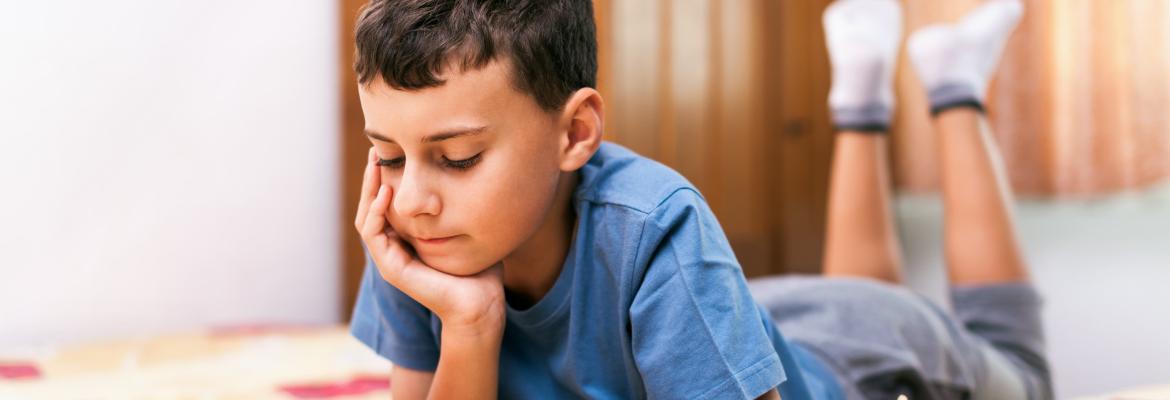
x: 468, y: 368
x: 471, y: 308
x: 468, y: 364
x: 409, y: 384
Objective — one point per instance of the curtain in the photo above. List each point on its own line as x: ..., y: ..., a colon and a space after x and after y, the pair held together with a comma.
x: 1079, y: 104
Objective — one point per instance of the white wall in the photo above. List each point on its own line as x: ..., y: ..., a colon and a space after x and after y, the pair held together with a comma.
x: 1104, y: 268
x: 166, y: 165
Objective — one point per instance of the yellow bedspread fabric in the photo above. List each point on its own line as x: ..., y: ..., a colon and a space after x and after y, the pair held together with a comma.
x: 250, y: 362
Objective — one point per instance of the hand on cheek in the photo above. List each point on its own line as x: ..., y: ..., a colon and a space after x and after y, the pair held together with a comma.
x: 475, y: 303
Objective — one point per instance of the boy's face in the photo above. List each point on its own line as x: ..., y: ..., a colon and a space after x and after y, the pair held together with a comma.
x: 473, y: 165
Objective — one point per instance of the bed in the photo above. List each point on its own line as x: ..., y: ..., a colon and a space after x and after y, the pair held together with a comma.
x: 243, y: 362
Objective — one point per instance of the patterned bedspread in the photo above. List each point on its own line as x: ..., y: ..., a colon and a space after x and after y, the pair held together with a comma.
x: 249, y: 362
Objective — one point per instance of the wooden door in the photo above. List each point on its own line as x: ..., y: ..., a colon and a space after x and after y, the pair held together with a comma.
x: 732, y: 94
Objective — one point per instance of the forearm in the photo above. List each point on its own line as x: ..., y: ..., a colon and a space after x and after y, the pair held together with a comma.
x: 773, y: 394
x: 468, y: 364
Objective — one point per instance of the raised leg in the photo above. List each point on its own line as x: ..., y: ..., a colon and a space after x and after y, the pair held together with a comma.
x: 860, y: 238
x: 863, y: 38
x: 955, y: 63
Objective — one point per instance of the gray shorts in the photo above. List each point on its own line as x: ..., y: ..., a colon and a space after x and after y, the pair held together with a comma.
x: 882, y: 340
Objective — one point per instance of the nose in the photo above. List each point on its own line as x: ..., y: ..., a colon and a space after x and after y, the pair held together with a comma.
x: 414, y: 195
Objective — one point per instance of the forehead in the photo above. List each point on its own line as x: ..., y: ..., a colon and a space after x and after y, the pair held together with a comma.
x: 474, y: 96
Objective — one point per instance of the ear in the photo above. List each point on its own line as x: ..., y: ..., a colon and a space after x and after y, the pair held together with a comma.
x: 582, y: 123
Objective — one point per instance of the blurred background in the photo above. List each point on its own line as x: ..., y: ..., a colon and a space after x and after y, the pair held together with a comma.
x: 175, y: 166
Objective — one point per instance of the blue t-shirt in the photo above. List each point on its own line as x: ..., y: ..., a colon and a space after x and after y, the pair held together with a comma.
x: 651, y: 302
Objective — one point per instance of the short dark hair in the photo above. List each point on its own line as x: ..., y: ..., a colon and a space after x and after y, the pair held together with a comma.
x: 551, y: 44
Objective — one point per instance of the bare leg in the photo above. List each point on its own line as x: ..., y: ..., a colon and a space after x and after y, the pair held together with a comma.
x: 863, y: 38
x: 955, y: 63
x: 989, y: 279
x: 981, y: 245
x: 860, y: 239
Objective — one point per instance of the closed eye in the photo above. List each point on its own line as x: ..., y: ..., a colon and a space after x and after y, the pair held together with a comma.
x: 392, y: 163
x: 463, y: 164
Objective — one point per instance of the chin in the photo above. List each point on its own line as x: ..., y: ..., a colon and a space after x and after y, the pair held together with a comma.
x: 453, y: 265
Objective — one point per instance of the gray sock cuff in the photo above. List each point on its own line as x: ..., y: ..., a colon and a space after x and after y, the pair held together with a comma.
x: 872, y: 118
x: 953, y: 95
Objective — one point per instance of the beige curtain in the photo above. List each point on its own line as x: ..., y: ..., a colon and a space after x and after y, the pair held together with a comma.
x: 1080, y: 106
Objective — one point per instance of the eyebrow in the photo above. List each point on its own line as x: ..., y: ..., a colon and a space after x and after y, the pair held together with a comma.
x: 438, y: 137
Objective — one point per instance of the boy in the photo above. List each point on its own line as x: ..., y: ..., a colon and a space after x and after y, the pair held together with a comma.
x: 513, y: 253
x: 546, y: 264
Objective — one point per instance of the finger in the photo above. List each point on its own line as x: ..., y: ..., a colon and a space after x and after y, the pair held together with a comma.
x: 393, y: 260
x: 375, y: 218
x: 385, y: 245
x: 370, y: 182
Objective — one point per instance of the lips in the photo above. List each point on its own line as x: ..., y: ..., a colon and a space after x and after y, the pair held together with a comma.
x: 434, y: 240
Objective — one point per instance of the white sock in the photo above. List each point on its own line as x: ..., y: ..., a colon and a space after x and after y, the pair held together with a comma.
x: 863, y: 38
x: 955, y: 62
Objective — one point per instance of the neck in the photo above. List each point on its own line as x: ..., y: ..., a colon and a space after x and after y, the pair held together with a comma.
x: 531, y: 270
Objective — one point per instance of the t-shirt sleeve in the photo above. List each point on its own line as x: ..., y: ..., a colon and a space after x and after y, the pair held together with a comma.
x: 394, y: 325
x: 696, y: 331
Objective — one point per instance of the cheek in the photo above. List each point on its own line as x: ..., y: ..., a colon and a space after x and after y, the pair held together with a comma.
x: 500, y: 208
x: 515, y: 203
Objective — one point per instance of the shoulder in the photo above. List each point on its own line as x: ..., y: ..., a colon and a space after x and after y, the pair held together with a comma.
x: 616, y: 176
x: 640, y: 213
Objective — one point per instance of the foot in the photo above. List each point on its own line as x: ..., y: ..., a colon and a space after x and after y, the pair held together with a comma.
x: 955, y: 62
x: 862, y: 37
